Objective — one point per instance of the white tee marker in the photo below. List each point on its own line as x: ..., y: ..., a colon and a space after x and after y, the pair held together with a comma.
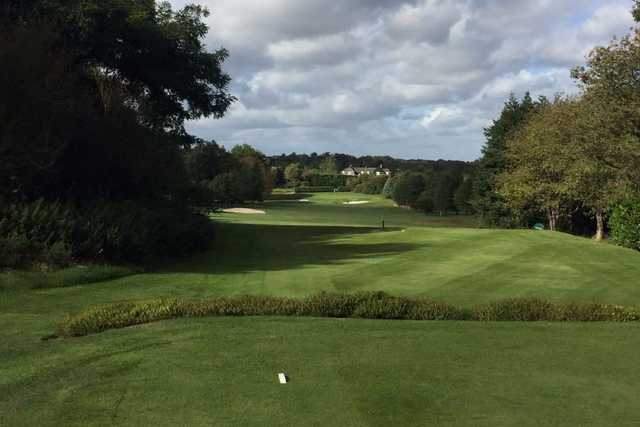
x: 283, y: 378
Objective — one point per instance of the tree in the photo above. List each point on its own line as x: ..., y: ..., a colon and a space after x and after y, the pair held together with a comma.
x: 486, y: 200
x: 95, y: 94
x: 207, y: 160
x: 328, y: 166
x: 462, y: 196
x: 538, y: 158
x: 609, y: 123
x: 278, y: 177
x: 625, y: 223
x: 424, y: 202
x: 636, y: 11
x: 246, y: 150
x: 387, y: 190
x: 443, y: 186
x: 293, y: 174
x: 155, y: 54
x: 407, y: 189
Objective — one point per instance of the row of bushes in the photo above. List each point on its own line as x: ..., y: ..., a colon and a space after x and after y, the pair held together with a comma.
x: 320, y: 189
x: 57, y: 234
x: 376, y: 305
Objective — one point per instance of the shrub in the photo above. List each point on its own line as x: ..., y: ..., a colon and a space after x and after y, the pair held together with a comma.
x: 624, y: 224
x: 516, y: 309
x: 56, y: 234
x: 329, y: 305
x: 15, y: 249
x: 376, y: 305
x: 370, y: 184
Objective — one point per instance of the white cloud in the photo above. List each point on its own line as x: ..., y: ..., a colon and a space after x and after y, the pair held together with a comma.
x: 414, y: 78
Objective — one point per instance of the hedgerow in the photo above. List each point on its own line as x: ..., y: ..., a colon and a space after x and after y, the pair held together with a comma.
x: 376, y: 305
x: 58, y: 234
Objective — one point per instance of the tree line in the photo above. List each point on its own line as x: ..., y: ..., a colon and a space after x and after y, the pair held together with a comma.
x: 95, y: 95
x: 573, y: 161
x: 431, y: 186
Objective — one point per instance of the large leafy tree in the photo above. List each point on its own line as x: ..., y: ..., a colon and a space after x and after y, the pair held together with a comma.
x: 609, y: 145
x: 155, y: 54
x: 486, y: 201
x: 206, y: 160
x: 408, y: 188
x: 538, y: 157
x: 95, y: 95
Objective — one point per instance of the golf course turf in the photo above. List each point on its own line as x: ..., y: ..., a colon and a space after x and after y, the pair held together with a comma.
x: 223, y: 371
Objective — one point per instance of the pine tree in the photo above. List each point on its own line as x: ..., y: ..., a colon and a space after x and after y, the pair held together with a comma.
x: 486, y: 202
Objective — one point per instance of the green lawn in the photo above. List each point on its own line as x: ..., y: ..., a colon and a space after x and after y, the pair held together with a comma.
x: 344, y: 372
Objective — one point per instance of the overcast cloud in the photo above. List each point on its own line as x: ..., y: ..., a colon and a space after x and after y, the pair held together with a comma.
x: 412, y: 79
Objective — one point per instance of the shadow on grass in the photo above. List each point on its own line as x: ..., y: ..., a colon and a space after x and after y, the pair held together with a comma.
x: 289, y: 196
x: 71, y: 276
x: 252, y: 247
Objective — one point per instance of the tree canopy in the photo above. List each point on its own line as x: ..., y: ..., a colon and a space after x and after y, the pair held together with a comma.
x: 487, y: 202
x: 95, y: 96
x: 154, y: 53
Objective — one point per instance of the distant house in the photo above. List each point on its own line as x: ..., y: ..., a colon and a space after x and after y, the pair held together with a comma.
x: 355, y: 171
x: 350, y: 171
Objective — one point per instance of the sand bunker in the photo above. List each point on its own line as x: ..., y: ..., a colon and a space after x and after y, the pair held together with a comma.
x: 304, y: 200
x: 244, y: 211
x: 355, y: 202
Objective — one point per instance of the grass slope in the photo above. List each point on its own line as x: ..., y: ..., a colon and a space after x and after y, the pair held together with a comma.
x: 345, y: 372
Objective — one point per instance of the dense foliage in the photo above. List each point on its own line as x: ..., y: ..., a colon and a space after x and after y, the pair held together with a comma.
x: 57, y: 234
x: 221, y: 177
x: 573, y: 158
x: 94, y: 99
x: 370, y: 184
x: 432, y: 192
x: 486, y: 201
x: 625, y: 223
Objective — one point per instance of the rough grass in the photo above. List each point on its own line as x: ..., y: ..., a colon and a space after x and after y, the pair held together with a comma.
x: 360, y: 306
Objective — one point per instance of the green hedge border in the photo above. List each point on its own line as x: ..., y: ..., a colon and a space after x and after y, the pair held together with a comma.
x: 374, y: 305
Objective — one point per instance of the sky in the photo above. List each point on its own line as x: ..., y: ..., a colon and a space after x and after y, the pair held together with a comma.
x: 410, y: 79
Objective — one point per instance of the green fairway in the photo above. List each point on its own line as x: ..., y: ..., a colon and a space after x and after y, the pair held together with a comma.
x: 344, y: 372
x: 299, y: 248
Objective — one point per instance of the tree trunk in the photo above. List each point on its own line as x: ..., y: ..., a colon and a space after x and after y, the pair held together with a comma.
x: 553, y: 216
x: 599, y: 225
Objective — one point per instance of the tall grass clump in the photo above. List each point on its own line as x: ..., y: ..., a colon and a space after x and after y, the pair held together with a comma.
x: 372, y: 305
